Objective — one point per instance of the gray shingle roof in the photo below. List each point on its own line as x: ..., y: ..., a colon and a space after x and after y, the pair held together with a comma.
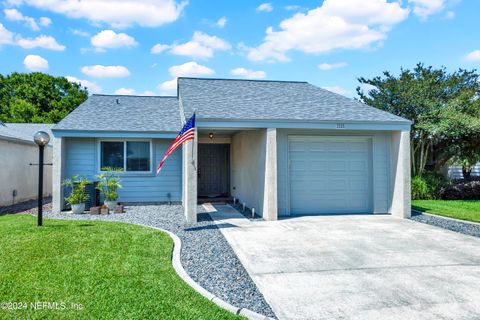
x: 131, y: 113
x: 23, y: 131
x: 227, y: 99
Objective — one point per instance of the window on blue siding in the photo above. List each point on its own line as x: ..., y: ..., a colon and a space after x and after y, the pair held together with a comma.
x: 112, y: 154
x: 138, y: 156
x: 125, y: 155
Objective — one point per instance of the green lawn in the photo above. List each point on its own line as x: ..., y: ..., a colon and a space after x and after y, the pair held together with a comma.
x: 108, y: 270
x: 459, y: 209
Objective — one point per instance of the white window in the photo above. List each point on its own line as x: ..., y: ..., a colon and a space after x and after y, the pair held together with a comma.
x: 133, y: 156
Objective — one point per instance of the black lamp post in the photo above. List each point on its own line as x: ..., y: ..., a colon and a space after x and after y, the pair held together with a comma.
x: 41, y: 138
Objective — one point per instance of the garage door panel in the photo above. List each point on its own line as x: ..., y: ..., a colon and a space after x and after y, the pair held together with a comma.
x: 360, y: 165
x: 329, y: 175
x: 337, y: 165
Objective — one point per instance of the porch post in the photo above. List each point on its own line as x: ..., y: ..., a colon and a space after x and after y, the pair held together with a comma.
x: 401, y: 176
x: 270, y: 211
x: 190, y: 179
x: 58, y: 169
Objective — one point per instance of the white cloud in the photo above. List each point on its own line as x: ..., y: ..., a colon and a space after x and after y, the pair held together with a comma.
x: 125, y: 91
x: 109, y: 39
x: 202, y: 45
x: 130, y: 91
x: 450, y: 15
x: 168, y: 87
x: 330, y: 66
x: 249, y: 74
x: 366, y: 87
x: 15, y: 15
x: 190, y: 69
x: 42, y: 41
x: 91, y: 86
x: 333, y: 25
x: 100, y: 71
x: 159, y: 48
x: 192, y: 49
x: 80, y: 33
x: 292, y: 7
x: 425, y: 8
x: 473, y: 56
x: 222, y: 22
x: 35, y: 63
x: 6, y: 37
x: 118, y: 14
x: 265, y: 7
x: 45, y: 21
x: 337, y: 89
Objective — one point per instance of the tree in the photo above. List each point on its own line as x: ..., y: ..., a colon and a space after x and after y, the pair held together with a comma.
x: 38, y: 97
x: 444, y: 108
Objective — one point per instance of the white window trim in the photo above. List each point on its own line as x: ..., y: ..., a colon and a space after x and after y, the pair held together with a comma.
x: 125, y: 172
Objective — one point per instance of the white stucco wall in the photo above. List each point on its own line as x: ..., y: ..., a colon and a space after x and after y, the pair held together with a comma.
x: 17, y: 174
x: 248, y: 151
x: 401, y: 175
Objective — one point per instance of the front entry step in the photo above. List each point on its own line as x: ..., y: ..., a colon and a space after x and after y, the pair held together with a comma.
x: 224, y: 200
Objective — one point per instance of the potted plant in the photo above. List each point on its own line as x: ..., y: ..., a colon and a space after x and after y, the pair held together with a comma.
x: 78, y: 196
x: 108, y: 184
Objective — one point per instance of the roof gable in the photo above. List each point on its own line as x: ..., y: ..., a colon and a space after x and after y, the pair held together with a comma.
x: 23, y: 131
x: 228, y: 99
x: 124, y: 113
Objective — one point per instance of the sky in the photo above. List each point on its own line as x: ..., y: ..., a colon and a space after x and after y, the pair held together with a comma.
x: 141, y: 46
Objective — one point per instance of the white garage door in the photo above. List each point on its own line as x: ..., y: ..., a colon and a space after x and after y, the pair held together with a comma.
x: 330, y: 175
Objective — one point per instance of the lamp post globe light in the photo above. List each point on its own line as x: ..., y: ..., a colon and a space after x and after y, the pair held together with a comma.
x: 41, y: 138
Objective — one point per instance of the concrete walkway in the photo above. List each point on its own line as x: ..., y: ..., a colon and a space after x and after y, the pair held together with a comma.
x: 357, y: 267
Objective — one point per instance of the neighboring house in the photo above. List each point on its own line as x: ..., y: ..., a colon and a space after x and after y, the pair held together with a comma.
x: 455, y: 172
x: 281, y: 147
x: 18, y: 179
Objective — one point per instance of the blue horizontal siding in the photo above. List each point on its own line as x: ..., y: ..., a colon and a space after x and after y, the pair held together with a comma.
x: 82, y: 159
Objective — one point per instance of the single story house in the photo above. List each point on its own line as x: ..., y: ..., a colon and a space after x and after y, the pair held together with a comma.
x: 282, y: 147
x: 18, y: 179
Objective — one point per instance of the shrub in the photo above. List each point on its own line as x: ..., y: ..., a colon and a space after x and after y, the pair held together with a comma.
x: 461, y: 190
x: 428, y: 186
x: 420, y: 190
x: 435, y: 182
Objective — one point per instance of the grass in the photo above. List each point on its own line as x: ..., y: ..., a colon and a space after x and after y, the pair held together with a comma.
x: 106, y: 270
x: 459, y: 209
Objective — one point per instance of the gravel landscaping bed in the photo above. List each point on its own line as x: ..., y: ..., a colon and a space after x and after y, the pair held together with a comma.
x: 453, y: 225
x: 206, y: 255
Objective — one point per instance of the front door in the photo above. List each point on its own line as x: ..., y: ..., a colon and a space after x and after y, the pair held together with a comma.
x: 213, y: 170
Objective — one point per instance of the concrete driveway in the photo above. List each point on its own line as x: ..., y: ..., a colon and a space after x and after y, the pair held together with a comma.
x: 357, y: 267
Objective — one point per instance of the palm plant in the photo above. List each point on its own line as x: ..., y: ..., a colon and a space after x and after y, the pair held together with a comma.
x: 109, y: 183
x: 78, y: 185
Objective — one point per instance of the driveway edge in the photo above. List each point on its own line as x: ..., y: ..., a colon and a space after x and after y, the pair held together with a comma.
x: 447, y: 218
x: 177, y: 265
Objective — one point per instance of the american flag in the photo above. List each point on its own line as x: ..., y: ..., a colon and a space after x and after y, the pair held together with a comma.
x: 187, y: 133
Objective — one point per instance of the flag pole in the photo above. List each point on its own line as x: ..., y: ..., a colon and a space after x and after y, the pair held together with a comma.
x: 194, y: 138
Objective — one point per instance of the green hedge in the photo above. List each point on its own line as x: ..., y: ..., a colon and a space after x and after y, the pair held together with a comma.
x: 428, y: 186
